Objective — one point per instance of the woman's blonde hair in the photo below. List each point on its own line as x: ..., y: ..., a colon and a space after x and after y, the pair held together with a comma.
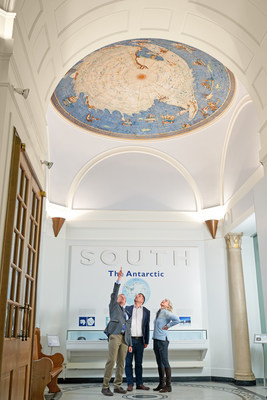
x: 170, y: 308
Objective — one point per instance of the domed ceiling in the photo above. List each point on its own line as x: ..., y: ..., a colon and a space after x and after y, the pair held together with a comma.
x: 144, y: 89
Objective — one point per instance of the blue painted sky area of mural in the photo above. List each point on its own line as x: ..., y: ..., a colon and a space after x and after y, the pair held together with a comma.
x: 213, y: 86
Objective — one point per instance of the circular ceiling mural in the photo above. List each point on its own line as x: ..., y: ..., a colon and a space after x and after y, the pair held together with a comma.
x: 144, y: 89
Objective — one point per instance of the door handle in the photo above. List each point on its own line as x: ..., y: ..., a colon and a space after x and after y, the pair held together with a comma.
x: 26, y: 309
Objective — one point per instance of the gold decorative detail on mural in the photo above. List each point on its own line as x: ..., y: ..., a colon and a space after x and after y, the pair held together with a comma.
x: 141, y: 76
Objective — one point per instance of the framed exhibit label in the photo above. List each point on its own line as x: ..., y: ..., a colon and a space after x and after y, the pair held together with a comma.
x: 53, y: 341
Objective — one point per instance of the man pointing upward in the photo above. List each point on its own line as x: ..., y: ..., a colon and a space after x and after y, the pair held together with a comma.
x: 118, y: 331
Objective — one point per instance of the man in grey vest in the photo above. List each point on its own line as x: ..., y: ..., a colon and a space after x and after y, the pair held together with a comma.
x: 118, y: 331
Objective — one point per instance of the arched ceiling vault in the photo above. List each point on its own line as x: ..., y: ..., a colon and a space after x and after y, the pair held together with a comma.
x: 138, y: 150
x: 57, y: 35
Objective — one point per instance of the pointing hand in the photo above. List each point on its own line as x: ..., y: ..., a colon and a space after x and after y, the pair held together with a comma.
x: 120, y: 274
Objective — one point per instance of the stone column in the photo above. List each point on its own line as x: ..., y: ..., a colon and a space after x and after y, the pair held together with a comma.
x: 240, y: 338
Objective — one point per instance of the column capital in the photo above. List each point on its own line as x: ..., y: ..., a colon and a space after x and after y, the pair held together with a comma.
x: 233, y: 240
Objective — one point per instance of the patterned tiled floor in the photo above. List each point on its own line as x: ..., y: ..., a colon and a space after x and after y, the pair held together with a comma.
x: 180, y: 391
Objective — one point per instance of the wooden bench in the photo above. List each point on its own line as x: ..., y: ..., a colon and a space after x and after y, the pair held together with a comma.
x: 45, y: 370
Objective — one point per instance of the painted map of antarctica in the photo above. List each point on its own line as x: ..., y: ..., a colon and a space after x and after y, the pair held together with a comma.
x: 144, y: 89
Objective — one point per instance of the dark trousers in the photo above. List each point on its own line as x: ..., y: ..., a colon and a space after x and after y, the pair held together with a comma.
x: 137, y: 354
x: 160, y: 348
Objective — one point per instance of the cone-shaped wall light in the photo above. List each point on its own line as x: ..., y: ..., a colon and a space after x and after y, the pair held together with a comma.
x: 212, y: 226
x: 57, y: 224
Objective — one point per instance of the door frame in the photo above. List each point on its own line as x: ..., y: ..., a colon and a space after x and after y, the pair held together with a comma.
x: 20, y: 162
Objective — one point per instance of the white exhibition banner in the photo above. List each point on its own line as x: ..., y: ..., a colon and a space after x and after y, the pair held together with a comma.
x: 157, y: 272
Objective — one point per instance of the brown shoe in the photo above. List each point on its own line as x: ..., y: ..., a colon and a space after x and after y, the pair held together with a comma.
x: 107, y: 392
x: 130, y: 388
x: 166, y: 389
x: 160, y: 386
x: 142, y: 387
x: 120, y: 390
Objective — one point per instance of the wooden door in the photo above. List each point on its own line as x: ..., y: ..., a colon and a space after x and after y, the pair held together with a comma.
x: 18, y: 277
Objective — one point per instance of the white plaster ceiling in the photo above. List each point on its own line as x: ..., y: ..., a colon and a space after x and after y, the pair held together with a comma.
x: 199, y: 170
x: 191, y: 172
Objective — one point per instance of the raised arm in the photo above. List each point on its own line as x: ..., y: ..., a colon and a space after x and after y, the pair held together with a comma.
x: 116, y: 288
x: 120, y: 274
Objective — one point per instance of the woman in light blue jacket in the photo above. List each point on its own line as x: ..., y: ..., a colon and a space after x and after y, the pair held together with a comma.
x: 164, y: 320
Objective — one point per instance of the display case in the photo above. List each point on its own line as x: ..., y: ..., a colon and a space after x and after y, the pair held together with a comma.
x: 88, y: 349
x: 86, y: 340
x: 174, y: 335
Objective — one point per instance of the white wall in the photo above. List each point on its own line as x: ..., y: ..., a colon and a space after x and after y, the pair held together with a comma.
x: 219, y: 307
x: 260, y: 200
x: 221, y: 358
x: 162, y: 271
x: 253, y: 311
x: 52, y: 286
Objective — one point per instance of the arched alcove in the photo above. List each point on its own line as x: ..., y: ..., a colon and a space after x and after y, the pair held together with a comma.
x: 134, y: 181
